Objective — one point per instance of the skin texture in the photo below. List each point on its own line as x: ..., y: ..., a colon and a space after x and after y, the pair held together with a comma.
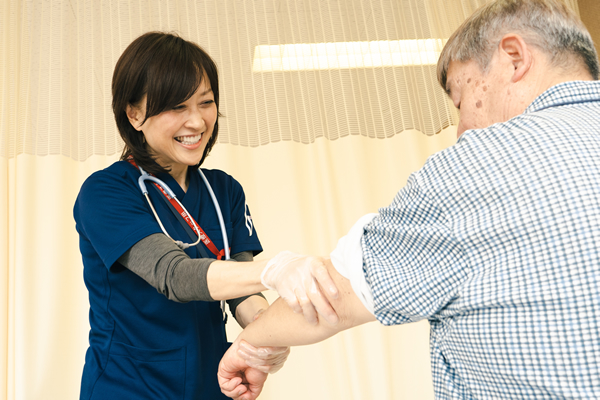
x: 517, y: 74
x: 250, y: 309
x: 230, y: 279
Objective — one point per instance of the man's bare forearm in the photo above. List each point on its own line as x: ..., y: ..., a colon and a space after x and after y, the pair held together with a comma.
x: 280, y: 326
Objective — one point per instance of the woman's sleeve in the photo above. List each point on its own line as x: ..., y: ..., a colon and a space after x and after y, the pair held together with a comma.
x: 111, y: 215
x: 168, y: 269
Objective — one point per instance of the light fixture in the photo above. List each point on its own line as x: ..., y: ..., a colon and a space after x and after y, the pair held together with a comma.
x: 342, y: 55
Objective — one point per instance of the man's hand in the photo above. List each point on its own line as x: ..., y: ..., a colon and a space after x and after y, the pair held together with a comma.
x: 298, y: 280
x: 236, y: 379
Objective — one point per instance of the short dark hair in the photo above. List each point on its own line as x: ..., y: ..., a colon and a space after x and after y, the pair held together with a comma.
x: 548, y: 24
x: 168, y: 70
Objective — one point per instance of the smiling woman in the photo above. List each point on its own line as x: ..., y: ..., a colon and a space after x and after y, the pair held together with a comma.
x: 163, y: 86
x: 178, y: 137
x: 165, y: 100
x: 154, y: 301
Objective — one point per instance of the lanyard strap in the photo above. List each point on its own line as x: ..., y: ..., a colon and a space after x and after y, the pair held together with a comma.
x: 191, y: 232
x: 188, y: 219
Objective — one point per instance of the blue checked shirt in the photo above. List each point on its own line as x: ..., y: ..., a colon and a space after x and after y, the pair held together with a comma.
x: 496, y: 241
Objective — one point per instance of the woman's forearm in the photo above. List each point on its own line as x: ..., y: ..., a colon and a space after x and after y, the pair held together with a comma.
x: 230, y: 279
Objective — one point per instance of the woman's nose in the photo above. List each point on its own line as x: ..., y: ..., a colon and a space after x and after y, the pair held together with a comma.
x: 196, y: 120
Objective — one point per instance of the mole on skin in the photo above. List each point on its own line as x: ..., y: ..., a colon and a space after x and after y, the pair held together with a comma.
x: 478, y: 104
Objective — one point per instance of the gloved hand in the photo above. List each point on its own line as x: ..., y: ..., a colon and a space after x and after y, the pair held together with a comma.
x: 265, y: 359
x: 298, y: 279
x: 268, y: 359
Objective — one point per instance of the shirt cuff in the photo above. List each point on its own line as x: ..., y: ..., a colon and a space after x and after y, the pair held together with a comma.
x: 347, y: 258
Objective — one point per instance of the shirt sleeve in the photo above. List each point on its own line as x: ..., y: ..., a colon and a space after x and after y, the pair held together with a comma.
x: 413, y: 262
x: 168, y: 269
x: 111, y: 213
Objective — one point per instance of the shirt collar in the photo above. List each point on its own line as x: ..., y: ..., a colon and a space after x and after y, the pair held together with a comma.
x: 566, y: 93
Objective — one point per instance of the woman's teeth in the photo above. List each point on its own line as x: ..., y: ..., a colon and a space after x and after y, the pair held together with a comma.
x: 189, y: 139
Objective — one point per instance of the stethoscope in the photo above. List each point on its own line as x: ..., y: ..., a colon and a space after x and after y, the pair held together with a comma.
x: 145, y: 176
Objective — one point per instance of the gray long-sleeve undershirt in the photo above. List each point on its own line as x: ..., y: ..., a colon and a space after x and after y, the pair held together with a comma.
x: 166, y: 267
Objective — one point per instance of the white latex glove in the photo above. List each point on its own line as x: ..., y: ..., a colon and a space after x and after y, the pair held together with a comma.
x: 266, y: 359
x: 298, y: 279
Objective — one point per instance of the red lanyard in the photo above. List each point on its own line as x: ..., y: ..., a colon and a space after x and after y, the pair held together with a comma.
x: 189, y: 219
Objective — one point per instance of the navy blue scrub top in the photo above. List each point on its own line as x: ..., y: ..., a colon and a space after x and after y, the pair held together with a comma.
x: 143, y: 346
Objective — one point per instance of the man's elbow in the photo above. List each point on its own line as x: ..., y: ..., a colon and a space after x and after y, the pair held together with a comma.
x: 350, y: 310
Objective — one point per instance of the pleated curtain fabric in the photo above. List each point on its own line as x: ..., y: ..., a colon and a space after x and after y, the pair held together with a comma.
x: 58, y: 57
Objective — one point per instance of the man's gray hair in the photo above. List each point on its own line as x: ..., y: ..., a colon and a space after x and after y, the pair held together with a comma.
x: 549, y: 25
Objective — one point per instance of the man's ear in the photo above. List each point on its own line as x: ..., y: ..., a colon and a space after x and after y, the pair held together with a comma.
x: 514, y: 47
x: 136, y: 116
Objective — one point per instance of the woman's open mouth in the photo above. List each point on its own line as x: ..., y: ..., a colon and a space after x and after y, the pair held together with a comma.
x: 189, y: 140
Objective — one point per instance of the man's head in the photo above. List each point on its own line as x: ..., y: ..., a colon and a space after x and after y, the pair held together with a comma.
x: 510, y: 51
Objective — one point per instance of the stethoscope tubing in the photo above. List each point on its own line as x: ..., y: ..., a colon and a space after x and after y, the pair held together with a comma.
x: 145, y: 176
x: 166, y: 188
x: 219, y: 214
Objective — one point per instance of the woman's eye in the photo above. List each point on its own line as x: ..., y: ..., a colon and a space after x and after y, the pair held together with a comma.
x: 179, y: 107
x: 208, y: 102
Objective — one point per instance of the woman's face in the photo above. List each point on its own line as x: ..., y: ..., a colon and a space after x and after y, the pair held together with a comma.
x: 177, y: 138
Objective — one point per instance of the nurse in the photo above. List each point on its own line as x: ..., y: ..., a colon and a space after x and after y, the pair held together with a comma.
x: 157, y: 327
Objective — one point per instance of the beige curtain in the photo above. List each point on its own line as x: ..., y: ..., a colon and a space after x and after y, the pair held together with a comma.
x: 314, y: 149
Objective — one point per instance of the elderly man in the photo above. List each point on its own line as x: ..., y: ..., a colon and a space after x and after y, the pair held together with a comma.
x: 495, y: 240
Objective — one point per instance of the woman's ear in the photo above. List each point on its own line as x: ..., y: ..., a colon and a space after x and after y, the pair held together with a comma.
x: 519, y: 54
x: 136, y: 116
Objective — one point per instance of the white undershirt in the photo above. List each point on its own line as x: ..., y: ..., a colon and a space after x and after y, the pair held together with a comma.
x: 347, y: 258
